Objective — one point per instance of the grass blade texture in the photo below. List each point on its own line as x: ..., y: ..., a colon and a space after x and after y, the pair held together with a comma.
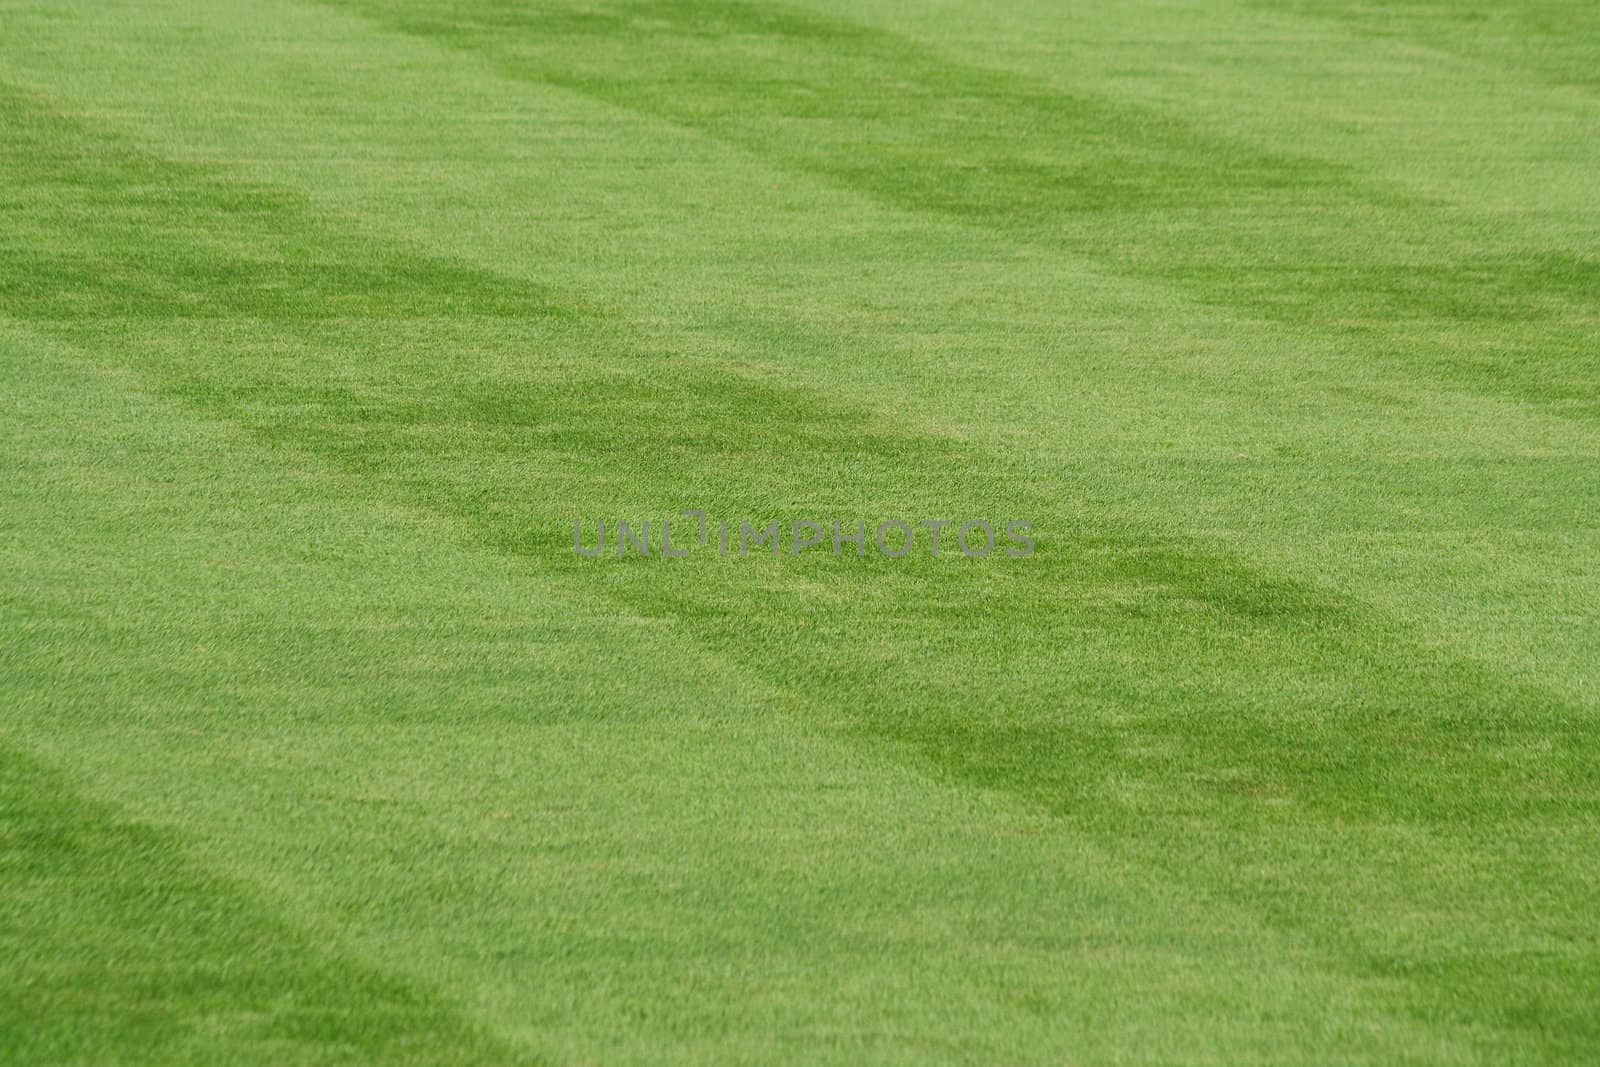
x: 324, y: 324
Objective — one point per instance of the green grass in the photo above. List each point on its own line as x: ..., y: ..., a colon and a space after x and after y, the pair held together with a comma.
x: 320, y: 324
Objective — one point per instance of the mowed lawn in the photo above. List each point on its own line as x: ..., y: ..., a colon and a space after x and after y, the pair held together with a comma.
x: 321, y: 323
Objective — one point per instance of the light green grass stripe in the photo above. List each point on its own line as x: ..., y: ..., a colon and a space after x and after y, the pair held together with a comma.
x: 1287, y: 238
x: 1557, y: 41
x: 1394, y: 108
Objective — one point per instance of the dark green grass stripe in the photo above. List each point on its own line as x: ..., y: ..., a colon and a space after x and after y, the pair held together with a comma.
x: 111, y: 939
x: 1313, y: 696
x: 1296, y: 240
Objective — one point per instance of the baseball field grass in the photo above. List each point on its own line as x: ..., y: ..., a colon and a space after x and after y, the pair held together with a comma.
x: 328, y: 330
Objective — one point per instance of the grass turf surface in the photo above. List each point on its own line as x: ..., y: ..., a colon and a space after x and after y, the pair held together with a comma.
x: 321, y: 322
